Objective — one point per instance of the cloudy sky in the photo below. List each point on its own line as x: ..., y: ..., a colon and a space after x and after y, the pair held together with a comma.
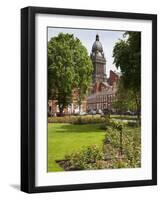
x: 107, y: 38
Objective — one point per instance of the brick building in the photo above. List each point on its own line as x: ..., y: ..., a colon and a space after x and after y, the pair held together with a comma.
x: 71, y: 109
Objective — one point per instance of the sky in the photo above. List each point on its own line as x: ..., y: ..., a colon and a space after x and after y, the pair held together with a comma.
x: 108, y: 38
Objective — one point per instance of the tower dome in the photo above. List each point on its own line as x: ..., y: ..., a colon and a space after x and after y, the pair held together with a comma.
x: 97, y: 46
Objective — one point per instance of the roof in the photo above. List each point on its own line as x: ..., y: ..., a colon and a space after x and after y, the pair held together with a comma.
x: 97, y: 46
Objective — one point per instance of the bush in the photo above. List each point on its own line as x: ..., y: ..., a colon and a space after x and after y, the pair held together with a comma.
x: 77, y: 119
x: 86, y: 158
x: 103, y: 127
x: 124, y: 117
x: 131, y: 147
x: 88, y: 120
x: 65, y: 119
x: 133, y: 124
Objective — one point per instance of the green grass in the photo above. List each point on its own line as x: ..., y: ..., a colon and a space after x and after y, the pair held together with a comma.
x: 68, y: 138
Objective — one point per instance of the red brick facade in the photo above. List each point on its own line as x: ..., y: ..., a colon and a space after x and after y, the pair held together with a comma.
x: 113, y: 78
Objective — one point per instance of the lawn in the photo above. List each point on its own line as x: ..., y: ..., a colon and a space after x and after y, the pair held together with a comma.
x: 66, y: 138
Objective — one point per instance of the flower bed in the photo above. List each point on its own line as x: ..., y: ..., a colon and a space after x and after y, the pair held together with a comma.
x: 110, y: 155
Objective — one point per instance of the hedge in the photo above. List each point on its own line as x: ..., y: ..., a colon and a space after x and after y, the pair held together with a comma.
x: 77, y: 119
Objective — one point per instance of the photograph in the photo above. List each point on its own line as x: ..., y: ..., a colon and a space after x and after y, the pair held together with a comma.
x: 93, y: 99
x: 89, y: 99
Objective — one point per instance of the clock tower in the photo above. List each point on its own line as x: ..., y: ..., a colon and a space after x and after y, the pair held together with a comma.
x: 99, y: 62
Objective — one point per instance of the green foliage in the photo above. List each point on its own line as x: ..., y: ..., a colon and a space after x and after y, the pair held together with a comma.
x: 103, y: 127
x: 131, y: 147
x: 83, y: 70
x: 69, y: 67
x: 77, y: 119
x: 114, y: 124
x: 88, y: 120
x: 86, y: 158
x: 117, y: 125
x: 124, y: 143
x: 125, y: 99
x: 127, y: 56
x: 93, y: 157
x: 133, y: 124
x: 123, y: 117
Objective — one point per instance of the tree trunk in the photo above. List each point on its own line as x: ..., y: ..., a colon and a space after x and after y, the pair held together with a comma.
x: 79, y: 108
x: 79, y: 103
x: 138, y: 107
x: 61, y: 109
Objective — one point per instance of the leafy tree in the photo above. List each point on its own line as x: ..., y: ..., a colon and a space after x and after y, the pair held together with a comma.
x: 68, y: 67
x: 125, y: 99
x: 127, y: 56
x: 83, y: 71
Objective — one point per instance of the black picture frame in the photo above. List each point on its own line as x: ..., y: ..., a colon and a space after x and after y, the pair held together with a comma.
x: 28, y: 98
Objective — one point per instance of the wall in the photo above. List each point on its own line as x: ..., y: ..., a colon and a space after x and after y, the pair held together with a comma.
x: 10, y: 99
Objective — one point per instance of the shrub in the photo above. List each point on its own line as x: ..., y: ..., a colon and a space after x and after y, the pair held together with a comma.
x: 88, y: 120
x: 77, y: 119
x: 132, y: 123
x: 131, y: 147
x: 103, y: 127
x: 124, y: 117
x: 86, y: 158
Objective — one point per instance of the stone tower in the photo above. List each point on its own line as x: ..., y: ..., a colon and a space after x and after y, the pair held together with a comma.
x: 99, y: 62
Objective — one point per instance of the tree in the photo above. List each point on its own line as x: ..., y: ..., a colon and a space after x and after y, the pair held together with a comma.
x: 125, y: 99
x: 127, y: 56
x: 68, y: 66
x: 84, y: 69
